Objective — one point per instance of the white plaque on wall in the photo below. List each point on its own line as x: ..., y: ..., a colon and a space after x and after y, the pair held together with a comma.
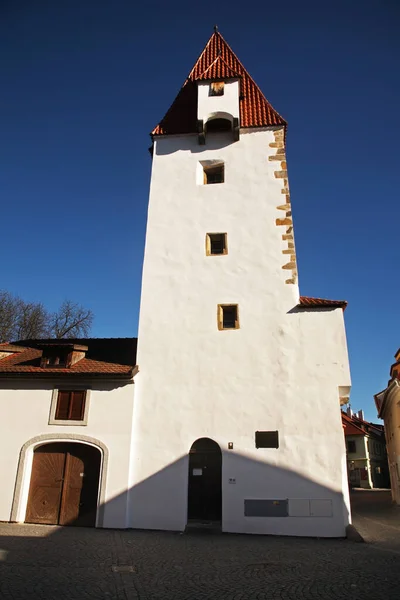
x: 197, y: 471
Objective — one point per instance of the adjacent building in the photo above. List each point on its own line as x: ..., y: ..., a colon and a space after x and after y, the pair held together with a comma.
x: 388, y: 406
x: 66, y: 424
x: 367, y: 464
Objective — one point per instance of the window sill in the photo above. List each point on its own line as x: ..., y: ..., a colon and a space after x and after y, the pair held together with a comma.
x: 67, y: 422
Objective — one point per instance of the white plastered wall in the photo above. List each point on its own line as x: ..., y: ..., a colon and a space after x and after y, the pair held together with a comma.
x: 25, y: 410
x: 209, y: 105
x: 279, y: 371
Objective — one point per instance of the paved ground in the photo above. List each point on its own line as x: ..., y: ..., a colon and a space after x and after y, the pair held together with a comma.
x: 377, y: 519
x: 50, y: 563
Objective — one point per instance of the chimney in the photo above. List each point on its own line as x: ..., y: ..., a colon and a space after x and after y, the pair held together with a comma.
x: 349, y: 412
x: 360, y: 415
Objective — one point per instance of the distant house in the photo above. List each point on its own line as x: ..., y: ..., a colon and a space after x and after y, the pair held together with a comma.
x: 66, y: 422
x: 388, y: 405
x: 367, y: 464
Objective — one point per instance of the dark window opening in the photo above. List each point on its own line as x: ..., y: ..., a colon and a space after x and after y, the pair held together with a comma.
x: 218, y: 125
x: 216, y: 244
x: 351, y: 446
x: 267, y: 439
x: 217, y: 88
x: 70, y: 405
x: 214, y: 174
x: 228, y: 317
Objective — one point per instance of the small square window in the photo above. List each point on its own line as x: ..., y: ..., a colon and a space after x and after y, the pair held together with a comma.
x: 267, y: 439
x: 351, y: 447
x: 214, y: 173
x: 217, y: 88
x: 228, y: 316
x: 70, y: 405
x: 216, y: 243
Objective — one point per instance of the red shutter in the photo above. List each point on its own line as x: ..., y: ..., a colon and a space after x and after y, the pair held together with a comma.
x: 63, y: 402
x: 77, y: 407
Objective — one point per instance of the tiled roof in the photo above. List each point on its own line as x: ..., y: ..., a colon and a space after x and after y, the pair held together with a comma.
x: 106, y: 357
x: 307, y: 302
x: 218, y: 61
x: 218, y: 69
x: 351, y: 428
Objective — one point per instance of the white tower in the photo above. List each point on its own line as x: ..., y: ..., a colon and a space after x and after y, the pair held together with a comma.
x: 236, y: 414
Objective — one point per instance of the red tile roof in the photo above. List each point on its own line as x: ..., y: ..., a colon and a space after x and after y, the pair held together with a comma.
x: 351, y: 428
x: 218, y: 61
x: 307, y: 302
x: 100, y: 360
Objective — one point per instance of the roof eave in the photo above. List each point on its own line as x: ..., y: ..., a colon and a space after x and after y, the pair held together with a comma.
x: 382, y: 397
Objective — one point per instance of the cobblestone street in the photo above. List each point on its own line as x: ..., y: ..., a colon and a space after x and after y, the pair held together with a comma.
x: 51, y: 563
x: 376, y: 518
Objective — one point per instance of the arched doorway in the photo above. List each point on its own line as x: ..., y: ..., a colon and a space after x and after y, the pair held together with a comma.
x: 64, y: 485
x: 205, y: 474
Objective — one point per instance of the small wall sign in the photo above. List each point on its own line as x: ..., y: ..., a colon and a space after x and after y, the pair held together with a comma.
x: 197, y: 472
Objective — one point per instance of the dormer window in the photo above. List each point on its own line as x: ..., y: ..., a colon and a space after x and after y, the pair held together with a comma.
x: 61, y: 354
x: 217, y: 88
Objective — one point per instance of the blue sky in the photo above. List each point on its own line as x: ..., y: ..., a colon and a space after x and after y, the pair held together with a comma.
x: 84, y: 81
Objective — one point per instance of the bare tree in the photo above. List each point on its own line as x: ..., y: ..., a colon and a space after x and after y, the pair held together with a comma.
x: 31, y: 320
x: 71, y: 320
x: 8, y: 316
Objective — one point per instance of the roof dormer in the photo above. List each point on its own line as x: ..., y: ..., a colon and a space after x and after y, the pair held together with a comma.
x: 61, y: 354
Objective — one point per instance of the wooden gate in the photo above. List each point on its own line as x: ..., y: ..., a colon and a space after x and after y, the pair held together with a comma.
x: 64, y: 485
x: 205, y: 472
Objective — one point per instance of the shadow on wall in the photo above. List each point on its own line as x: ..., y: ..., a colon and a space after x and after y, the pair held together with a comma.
x: 253, y: 497
x: 214, y: 141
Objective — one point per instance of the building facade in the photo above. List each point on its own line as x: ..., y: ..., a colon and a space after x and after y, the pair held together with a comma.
x: 234, y: 363
x: 65, y: 431
x: 388, y: 406
x: 367, y: 464
x: 235, y: 368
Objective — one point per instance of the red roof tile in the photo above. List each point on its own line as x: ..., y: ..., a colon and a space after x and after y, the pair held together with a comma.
x: 307, y: 302
x: 351, y: 428
x: 218, y: 61
x: 27, y: 362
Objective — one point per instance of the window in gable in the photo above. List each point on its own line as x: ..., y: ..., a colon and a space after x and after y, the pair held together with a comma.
x: 217, y: 88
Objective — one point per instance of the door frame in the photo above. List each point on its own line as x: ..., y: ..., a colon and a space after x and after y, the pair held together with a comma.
x: 24, y: 470
x: 204, y: 437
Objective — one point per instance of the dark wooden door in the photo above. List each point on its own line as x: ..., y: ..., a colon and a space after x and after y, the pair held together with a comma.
x: 205, y: 472
x: 46, y: 485
x: 81, y: 484
x: 64, y: 485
